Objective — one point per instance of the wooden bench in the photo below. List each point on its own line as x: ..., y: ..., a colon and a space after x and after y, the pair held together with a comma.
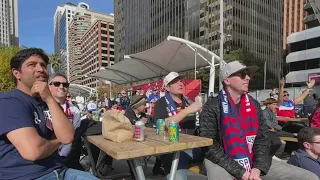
x: 292, y: 139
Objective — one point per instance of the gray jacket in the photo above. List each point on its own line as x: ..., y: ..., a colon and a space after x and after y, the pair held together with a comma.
x: 271, y: 119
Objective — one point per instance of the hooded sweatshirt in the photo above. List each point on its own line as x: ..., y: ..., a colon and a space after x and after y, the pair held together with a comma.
x: 303, y: 160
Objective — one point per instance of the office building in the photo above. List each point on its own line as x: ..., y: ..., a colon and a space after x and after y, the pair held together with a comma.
x: 62, y: 18
x: 304, y: 47
x: 293, y: 18
x: 9, y: 34
x: 97, y: 50
x: 83, y: 20
x: 255, y: 26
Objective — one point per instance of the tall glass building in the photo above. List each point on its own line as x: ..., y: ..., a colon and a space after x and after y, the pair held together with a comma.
x: 255, y: 26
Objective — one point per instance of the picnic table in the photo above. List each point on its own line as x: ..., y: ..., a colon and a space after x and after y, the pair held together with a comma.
x: 153, y: 145
x: 302, y: 120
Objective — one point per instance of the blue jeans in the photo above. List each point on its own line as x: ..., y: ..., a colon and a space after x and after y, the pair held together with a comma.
x: 68, y: 174
x: 184, y: 160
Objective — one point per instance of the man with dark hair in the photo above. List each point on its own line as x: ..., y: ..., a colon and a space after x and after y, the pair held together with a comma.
x: 234, y: 121
x: 307, y: 157
x: 33, y: 125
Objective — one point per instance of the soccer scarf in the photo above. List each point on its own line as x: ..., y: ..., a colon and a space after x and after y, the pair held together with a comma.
x: 239, y: 128
x: 172, y: 108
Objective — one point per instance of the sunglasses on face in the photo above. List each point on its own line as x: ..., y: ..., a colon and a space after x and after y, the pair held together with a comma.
x: 286, y: 95
x: 57, y: 84
x: 68, y: 96
x: 242, y: 74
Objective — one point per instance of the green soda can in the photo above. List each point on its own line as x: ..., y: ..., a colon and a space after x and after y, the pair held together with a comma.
x: 174, y: 132
x: 160, y: 127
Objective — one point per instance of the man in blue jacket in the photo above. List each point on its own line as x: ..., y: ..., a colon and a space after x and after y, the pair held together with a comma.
x: 307, y: 157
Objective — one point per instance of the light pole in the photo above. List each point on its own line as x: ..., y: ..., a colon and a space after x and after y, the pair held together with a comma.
x: 264, y: 74
x: 221, y: 43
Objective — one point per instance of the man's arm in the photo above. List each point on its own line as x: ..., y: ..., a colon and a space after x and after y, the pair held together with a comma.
x: 193, y: 108
x: 261, y: 146
x: 63, y: 128
x: 215, y: 153
x: 305, y: 93
x: 20, y: 130
x: 30, y: 145
x: 281, y: 92
x: 267, y: 118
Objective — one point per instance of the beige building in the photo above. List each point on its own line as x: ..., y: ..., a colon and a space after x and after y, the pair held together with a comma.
x: 9, y: 34
x: 293, y: 18
x: 83, y: 20
x: 97, y: 50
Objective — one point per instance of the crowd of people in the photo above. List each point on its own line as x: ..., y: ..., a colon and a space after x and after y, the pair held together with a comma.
x: 42, y: 126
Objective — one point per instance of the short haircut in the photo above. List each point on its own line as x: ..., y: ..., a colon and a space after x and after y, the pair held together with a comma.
x: 285, y: 92
x: 307, y: 134
x: 58, y: 75
x: 20, y: 57
x: 269, y: 101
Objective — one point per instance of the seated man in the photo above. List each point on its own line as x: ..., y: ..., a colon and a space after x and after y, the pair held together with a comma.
x: 59, y: 87
x: 33, y: 125
x: 307, y: 157
x: 234, y: 121
x: 175, y: 107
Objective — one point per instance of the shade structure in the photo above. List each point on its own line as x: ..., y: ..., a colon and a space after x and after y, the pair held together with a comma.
x: 84, y: 90
x: 173, y: 54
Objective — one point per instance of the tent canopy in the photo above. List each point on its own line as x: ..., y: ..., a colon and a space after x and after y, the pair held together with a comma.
x: 84, y: 90
x: 173, y: 54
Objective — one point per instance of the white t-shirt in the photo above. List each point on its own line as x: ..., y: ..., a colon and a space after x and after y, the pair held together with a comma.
x: 80, y: 99
x: 91, y: 106
x: 74, y: 118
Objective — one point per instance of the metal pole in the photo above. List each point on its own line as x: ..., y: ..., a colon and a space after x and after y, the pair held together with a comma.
x: 212, y: 77
x: 264, y: 74
x: 221, y: 42
x: 195, y: 64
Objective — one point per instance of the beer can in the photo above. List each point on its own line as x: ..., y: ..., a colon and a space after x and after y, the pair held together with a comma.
x: 174, y: 132
x: 139, y: 131
x: 160, y: 127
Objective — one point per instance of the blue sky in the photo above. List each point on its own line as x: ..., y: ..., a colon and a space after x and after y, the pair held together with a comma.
x: 36, y: 20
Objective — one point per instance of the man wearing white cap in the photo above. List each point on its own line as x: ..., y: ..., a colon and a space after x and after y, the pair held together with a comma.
x: 239, y: 131
x: 174, y: 107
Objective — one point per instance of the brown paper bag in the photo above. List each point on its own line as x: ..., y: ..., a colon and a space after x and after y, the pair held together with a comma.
x: 116, y: 127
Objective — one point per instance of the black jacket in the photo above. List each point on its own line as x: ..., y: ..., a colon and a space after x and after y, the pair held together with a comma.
x: 210, y: 127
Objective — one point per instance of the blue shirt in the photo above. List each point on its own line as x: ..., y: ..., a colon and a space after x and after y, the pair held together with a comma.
x: 19, y: 110
x: 153, y: 97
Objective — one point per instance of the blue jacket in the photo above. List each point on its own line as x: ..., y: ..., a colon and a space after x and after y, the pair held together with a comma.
x: 303, y: 160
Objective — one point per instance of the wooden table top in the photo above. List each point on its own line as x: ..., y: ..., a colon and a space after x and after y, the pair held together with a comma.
x: 292, y: 119
x: 152, y: 145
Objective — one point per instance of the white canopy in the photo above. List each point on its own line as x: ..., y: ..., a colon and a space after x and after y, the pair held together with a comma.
x: 85, y: 90
x: 173, y: 54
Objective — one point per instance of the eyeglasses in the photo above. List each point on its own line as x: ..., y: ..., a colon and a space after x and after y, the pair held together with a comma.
x: 68, y: 96
x: 286, y: 95
x: 315, y: 142
x: 57, y: 84
x: 242, y: 74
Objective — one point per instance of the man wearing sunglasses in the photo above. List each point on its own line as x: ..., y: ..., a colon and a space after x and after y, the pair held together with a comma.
x: 28, y: 116
x: 59, y: 87
x: 124, y: 100
x: 286, y: 107
x: 234, y: 121
x: 307, y: 157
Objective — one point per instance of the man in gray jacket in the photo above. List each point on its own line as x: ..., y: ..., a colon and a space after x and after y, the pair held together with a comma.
x: 234, y: 120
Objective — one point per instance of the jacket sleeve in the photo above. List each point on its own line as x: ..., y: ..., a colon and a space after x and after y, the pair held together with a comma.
x: 215, y: 153
x: 267, y: 118
x: 261, y: 147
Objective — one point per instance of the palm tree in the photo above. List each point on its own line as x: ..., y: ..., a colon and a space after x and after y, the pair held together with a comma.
x: 55, y: 61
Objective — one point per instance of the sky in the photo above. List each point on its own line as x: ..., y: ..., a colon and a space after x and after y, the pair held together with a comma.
x: 36, y: 20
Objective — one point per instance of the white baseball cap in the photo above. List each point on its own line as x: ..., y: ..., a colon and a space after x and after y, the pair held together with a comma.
x: 234, y: 67
x: 170, y: 77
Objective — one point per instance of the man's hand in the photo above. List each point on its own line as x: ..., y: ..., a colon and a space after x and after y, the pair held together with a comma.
x: 282, y: 82
x: 144, y: 120
x: 311, y: 83
x: 42, y: 89
x: 272, y: 130
x: 194, y: 107
x: 255, y: 174
x: 245, y: 176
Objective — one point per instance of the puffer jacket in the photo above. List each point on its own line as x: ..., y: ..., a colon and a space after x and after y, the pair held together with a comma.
x: 210, y: 127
